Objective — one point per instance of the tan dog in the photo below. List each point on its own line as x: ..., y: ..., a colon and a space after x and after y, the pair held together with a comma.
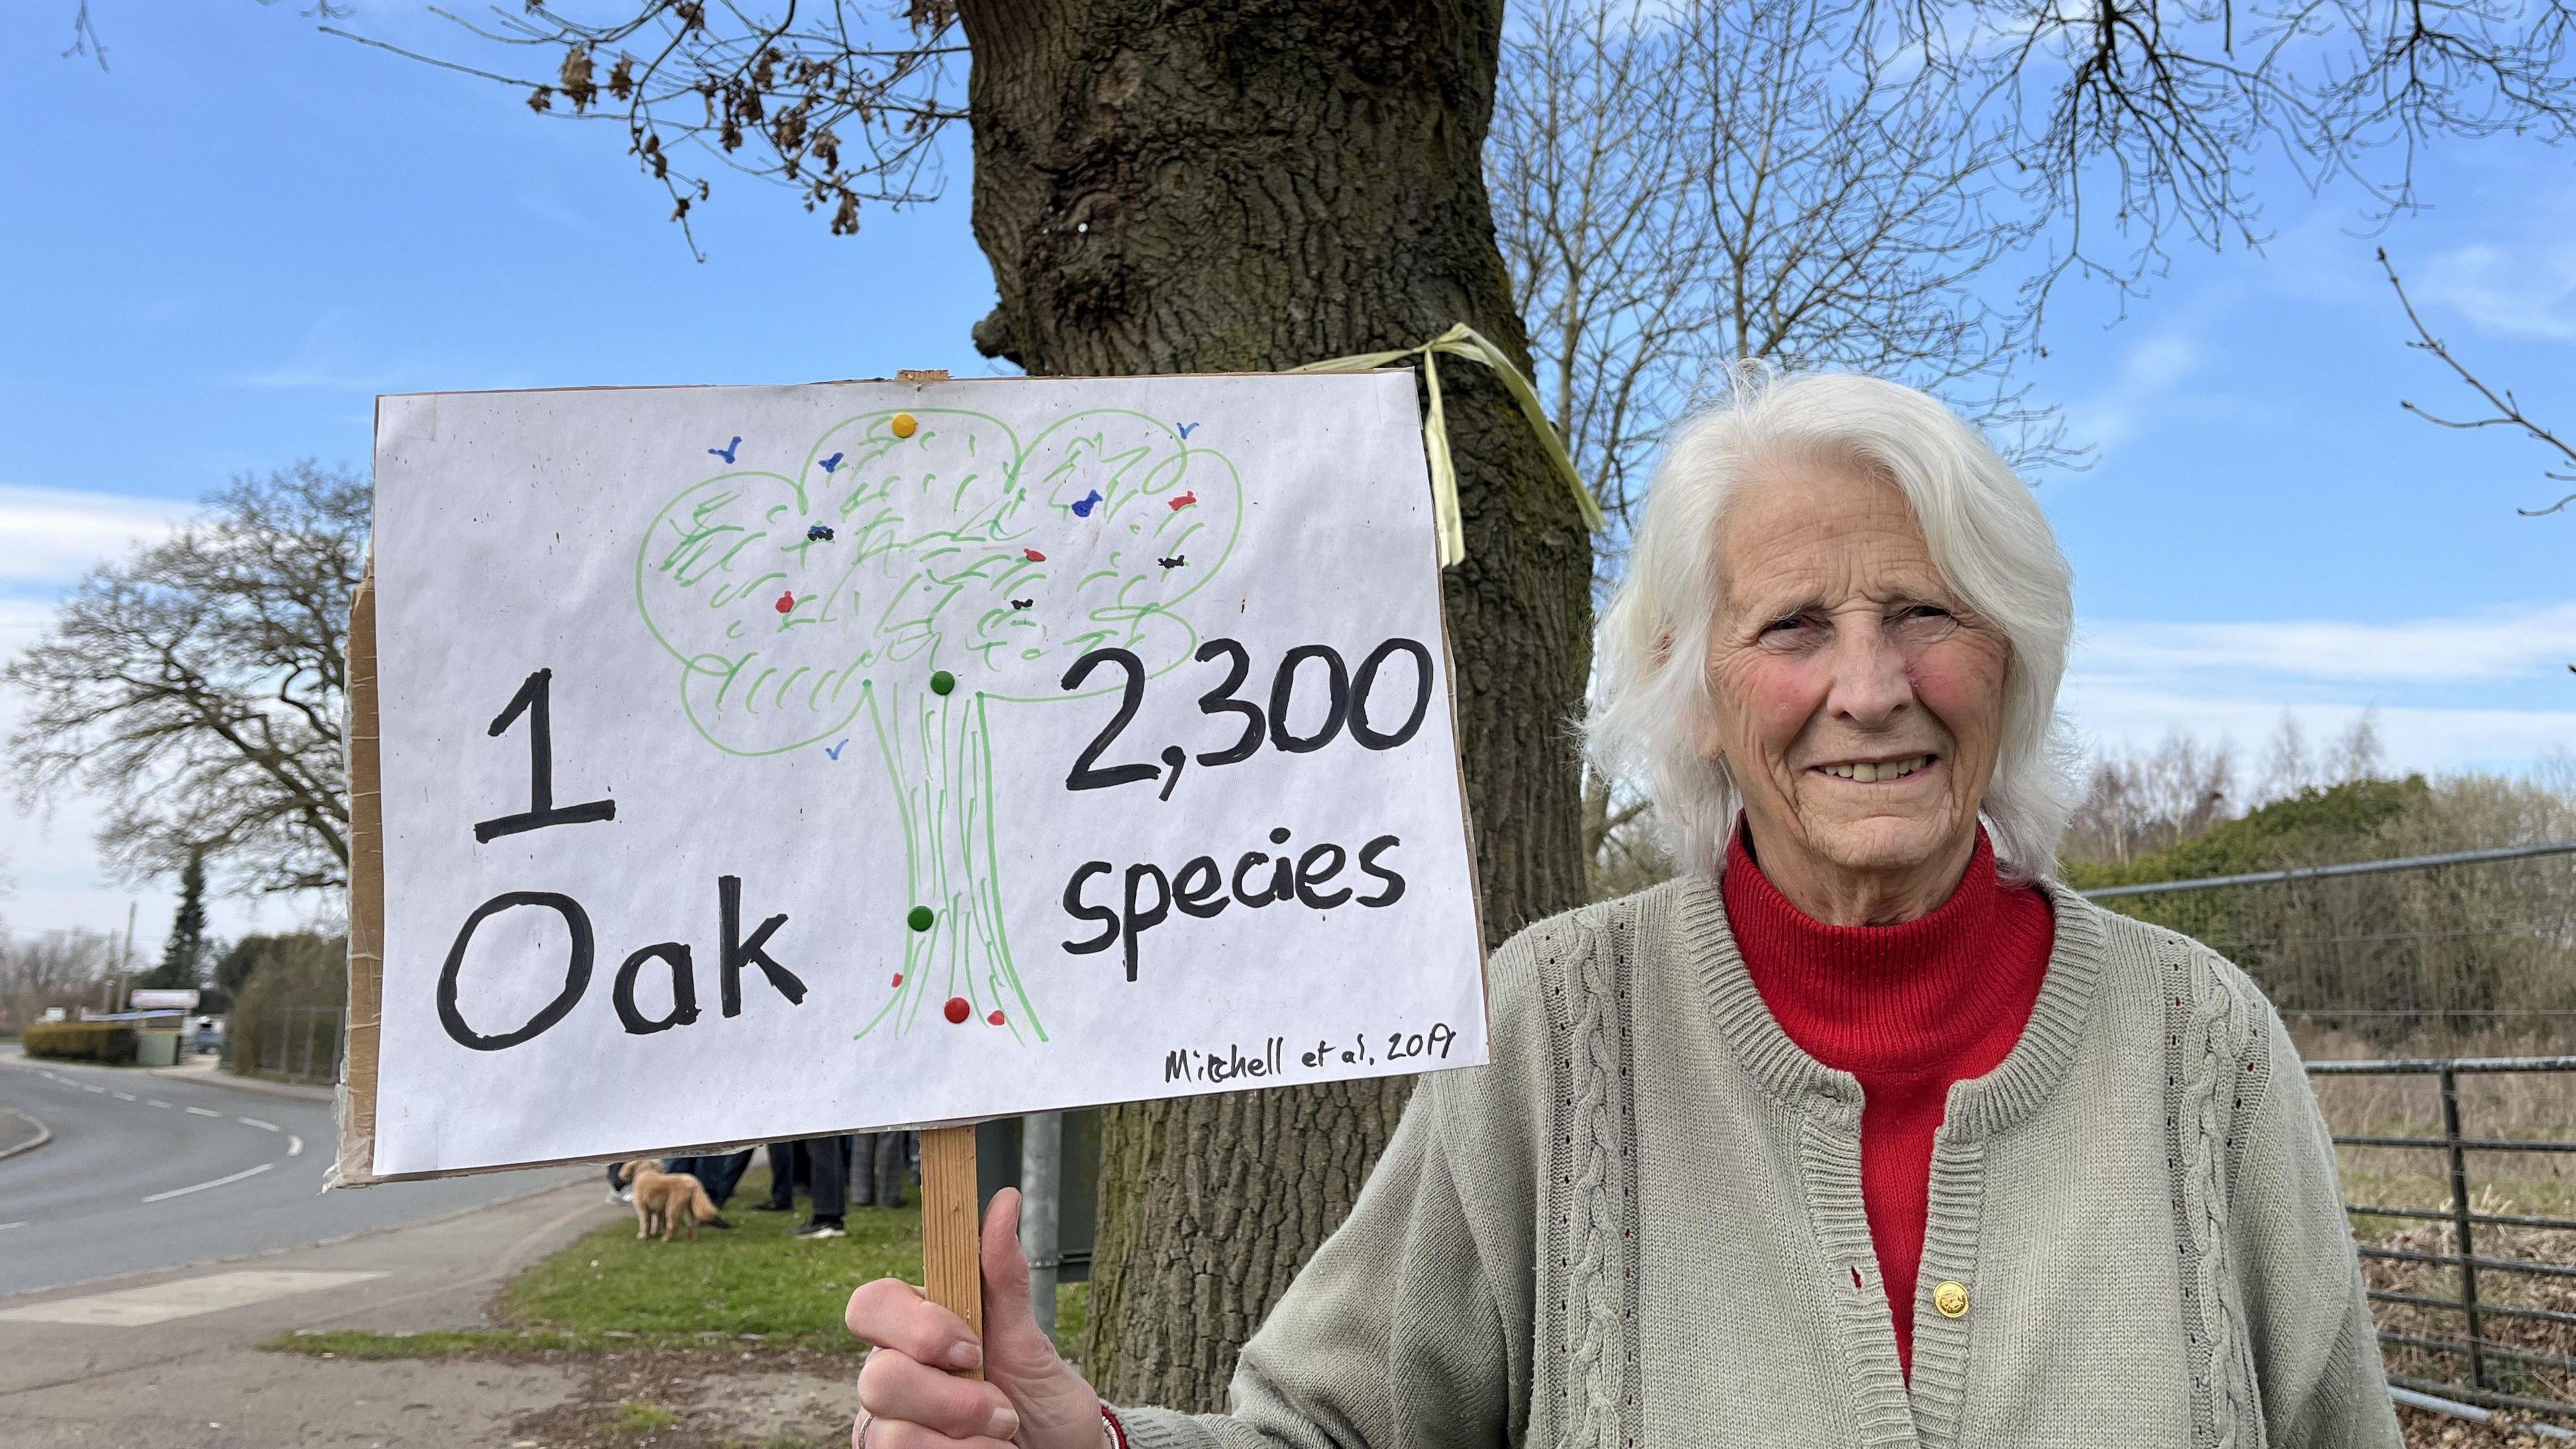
x: 664, y: 1201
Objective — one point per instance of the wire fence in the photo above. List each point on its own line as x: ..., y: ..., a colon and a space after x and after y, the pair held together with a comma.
x: 2510, y: 1348
x: 297, y: 1043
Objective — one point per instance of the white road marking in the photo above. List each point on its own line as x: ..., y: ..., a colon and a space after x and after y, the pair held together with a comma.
x: 202, y: 1186
x: 255, y: 1122
x: 4, y: 1227
x: 204, y: 1112
x: 122, y: 1096
x: 134, y: 1307
x: 294, y: 1145
x: 86, y: 1087
x: 155, y: 1101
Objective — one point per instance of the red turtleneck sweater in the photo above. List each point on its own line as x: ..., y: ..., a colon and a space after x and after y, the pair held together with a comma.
x: 1907, y: 1009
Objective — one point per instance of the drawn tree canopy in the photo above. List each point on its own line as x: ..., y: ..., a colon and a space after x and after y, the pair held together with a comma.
x: 911, y: 567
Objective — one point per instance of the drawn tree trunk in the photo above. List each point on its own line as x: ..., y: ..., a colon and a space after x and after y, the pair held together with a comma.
x: 939, y: 758
x: 1251, y: 186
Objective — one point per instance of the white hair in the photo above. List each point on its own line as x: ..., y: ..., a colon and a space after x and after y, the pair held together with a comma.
x: 1986, y: 535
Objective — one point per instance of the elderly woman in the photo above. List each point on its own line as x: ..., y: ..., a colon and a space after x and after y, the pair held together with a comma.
x: 1861, y: 1131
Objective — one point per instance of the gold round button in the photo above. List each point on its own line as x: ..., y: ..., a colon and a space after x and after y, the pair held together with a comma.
x: 1951, y: 1299
x: 903, y: 425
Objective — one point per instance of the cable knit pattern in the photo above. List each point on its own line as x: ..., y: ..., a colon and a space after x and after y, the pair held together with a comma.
x: 1490, y: 1288
x: 2207, y: 1044
x: 1597, y: 1308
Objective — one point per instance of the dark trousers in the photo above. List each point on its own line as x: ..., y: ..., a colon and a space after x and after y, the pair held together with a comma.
x: 880, y: 1160
x: 786, y: 1164
x: 831, y: 1159
x: 718, y: 1175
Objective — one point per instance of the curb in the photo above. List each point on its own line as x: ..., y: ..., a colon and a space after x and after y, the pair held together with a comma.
x: 44, y: 1134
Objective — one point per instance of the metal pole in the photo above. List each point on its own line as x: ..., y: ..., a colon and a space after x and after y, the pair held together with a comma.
x: 2319, y: 872
x: 1041, y: 1192
x: 2460, y: 1224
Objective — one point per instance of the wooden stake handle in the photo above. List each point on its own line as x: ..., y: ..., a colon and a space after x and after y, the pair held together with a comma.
x: 951, y: 1238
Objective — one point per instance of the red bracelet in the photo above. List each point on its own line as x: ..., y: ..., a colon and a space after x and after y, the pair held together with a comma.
x: 1117, y: 1431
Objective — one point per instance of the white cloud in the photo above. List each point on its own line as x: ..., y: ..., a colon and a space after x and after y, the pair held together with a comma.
x: 2505, y: 645
x: 51, y: 536
x: 2132, y: 682
x: 2524, y: 289
x: 2427, y: 739
x: 2151, y: 371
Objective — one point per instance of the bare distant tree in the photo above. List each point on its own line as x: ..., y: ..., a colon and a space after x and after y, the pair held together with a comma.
x: 39, y: 969
x: 2290, y: 765
x: 2138, y: 802
x: 2504, y: 410
x: 1681, y: 185
x: 196, y: 688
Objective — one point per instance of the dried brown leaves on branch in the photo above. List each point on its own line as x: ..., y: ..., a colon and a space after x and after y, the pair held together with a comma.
x: 2504, y: 410
x: 843, y: 103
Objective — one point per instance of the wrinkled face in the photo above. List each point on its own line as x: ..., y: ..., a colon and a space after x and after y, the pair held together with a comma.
x: 1859, y: 705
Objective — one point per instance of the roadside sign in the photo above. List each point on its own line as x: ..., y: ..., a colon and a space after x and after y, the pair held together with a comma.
x: 752, y: 763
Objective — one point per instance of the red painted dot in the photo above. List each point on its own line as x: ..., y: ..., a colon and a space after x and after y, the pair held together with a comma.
x: 996, y: 1017
x: 898, y: 978
x: 787, y: 603
x: 1032, y: 555
x: 958, y: 1010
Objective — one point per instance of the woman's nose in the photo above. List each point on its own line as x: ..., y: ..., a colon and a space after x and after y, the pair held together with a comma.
x: 1870, y: 683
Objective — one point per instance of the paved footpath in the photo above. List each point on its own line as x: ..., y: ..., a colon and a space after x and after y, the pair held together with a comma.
x: 170, y: 1360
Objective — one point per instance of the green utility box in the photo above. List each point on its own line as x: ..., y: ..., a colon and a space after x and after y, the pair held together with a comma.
x: 156, y: 1048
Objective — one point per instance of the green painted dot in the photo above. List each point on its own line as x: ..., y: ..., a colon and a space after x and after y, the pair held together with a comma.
x: 942, y: 682
x: 920, y: 918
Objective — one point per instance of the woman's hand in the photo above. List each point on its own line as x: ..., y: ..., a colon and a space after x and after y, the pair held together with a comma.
x: 910, y: 1395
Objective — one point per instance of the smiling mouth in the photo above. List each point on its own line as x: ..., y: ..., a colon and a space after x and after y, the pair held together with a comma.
x: 1870, y: 773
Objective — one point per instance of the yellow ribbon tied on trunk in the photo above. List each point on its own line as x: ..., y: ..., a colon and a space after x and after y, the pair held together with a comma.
x: 1465, y: 341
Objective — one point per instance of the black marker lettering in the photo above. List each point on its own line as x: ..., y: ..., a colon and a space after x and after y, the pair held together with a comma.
x: 1199, y: 889
x: 739, y: 953
x: 1337, y: 700
x: 1364, y: 684
x: 533, y: 700
x: 576, y: 970
x: 1310, y: 875
x: 1368, y: 862
x: 1136, y: 922
x: 1221, y: 700
x: 684, y: 989
x: 1074, y: 907
x: 1251, y: 862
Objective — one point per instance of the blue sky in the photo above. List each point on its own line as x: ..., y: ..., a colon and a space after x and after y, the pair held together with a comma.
x: 227, y: 243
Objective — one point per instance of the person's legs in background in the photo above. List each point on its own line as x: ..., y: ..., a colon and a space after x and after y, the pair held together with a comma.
x: 893, y: 1160
x: 782, y: 1179
x: 722, y: 1174
x: 863, y: 1174
x: 831, y: 1156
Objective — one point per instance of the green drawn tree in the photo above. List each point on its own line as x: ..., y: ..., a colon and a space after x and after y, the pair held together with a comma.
x: 911, y: 568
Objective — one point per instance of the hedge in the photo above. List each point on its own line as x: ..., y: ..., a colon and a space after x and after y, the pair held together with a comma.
x: 81, y: 1041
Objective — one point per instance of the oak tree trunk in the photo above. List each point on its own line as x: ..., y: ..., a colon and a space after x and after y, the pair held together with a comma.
x: 1244, y: 186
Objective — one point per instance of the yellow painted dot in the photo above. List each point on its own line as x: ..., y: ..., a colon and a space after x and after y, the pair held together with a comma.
x: 1951, y: 1299
x: 903, y: 425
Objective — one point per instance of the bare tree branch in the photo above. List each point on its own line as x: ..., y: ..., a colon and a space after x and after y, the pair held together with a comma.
x: 2507, y: 409
x: 197, y: 688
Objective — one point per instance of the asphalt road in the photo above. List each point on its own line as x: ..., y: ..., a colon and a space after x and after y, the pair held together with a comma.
x: 149, y: 1172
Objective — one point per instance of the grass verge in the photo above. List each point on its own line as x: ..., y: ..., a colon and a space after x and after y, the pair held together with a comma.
x: 752, y: 1287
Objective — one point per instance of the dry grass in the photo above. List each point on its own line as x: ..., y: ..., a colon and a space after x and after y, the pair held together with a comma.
x: 2512, y: 1106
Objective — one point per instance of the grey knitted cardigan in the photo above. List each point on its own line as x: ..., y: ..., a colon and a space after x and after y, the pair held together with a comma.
x: 1642, y: 1225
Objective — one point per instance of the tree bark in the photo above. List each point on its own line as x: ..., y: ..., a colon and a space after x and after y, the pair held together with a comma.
x: 1248, y: 186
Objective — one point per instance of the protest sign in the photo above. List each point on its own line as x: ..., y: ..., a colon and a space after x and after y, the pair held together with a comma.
x: 750, y: 763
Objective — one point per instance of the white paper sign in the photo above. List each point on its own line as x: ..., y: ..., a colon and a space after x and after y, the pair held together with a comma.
x: 762, y: 762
